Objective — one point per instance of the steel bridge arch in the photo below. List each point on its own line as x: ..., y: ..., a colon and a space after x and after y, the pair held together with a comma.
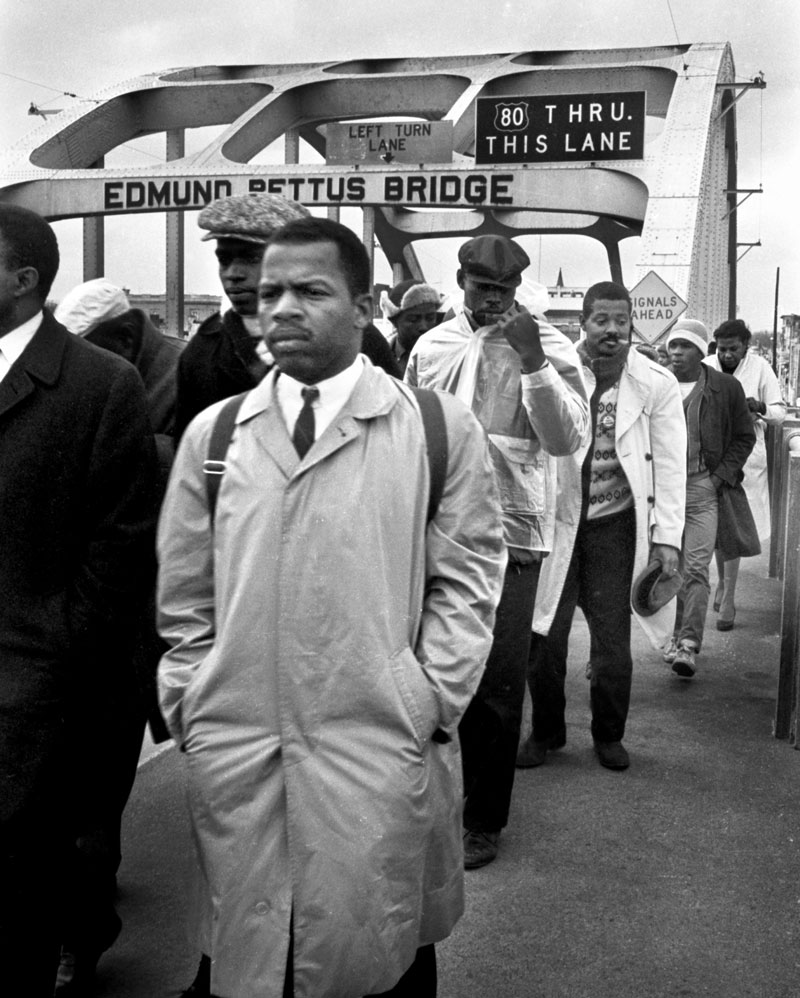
x: 678, y: 199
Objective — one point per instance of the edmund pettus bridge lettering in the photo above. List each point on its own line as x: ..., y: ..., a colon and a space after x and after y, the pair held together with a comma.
x: 467, y: 189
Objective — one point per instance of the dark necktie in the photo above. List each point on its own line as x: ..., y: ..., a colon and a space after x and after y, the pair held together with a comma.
x: 303, y: 436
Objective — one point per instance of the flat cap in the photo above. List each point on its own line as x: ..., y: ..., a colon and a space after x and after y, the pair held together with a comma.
x: 494, y: 258
x: 249, y: 217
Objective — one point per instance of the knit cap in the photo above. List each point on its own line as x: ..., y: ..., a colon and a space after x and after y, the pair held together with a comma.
x: 89, y: 304
x: 408, y: 294
x: 691, y: 330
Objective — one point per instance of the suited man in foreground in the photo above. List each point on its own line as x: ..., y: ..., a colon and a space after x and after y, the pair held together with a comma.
x: 78, y: 502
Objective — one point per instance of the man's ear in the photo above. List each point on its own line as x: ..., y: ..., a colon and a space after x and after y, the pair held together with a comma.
x: 460, y: 278
x: 364, y: 310
x: 27, y: 281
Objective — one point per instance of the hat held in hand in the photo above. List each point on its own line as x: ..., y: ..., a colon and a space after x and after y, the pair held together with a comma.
x: 651, y: 591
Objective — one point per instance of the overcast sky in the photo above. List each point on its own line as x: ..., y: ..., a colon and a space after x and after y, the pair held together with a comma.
x: 83, y: 48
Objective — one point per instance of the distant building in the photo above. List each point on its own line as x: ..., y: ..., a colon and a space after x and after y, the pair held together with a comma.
x: 196, y: 309
x: 566, y: 305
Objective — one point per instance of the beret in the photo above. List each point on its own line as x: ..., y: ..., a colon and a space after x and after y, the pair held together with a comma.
x: 495, y: 258
x: 650, y: 592
x: 249, y: 217
x: 89, y: 304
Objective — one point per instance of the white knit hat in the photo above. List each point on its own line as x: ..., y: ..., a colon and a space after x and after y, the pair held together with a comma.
x: 408, y: 294
x: 691, y: 330
x: 89, y: 304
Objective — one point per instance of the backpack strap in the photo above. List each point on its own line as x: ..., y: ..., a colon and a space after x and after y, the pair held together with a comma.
x: 430, y: 408
x: 214, y: 464
x: 433, y: 423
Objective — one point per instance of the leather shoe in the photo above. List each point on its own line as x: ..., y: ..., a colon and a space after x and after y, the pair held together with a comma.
x: 480, y: 848
x: 612, y: 755
x: 532, y: 753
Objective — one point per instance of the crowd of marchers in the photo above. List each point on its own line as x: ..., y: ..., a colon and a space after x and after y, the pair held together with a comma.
x: 330, y: 565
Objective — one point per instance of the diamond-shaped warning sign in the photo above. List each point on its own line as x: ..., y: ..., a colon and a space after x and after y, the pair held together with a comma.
x: 655, y: 306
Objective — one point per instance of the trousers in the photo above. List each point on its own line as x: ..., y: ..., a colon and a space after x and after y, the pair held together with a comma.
x: 699, y: 540
x: 598, y: 581
x: 489, y: 730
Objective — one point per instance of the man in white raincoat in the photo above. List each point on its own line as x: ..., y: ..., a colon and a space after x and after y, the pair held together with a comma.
x: 620, y: 505
x: 763, y: 393
x: 326, y: 639
x: 522, y: 379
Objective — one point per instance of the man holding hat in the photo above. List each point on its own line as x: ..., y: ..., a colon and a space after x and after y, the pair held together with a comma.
x: 522, y: 379
x: 226, y: 355
x: 619, y: 521
x: 720, y: 437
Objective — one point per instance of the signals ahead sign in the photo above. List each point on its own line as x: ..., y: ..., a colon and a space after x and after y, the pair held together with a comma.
x: 655, y: 306
x: 573, y: 128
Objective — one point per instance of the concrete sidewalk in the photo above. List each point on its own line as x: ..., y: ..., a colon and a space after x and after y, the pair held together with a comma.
x: 679, y: 877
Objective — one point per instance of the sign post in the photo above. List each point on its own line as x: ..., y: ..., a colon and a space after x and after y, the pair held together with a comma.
x: 655, y: 307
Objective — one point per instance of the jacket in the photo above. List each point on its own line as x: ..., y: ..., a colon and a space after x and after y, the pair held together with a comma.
x: 220, y: 360
x: 529, y: 419
x: 726, y: 426
x: 651, y: 446
x: 78, y: 504
x: 758, y: 381
x: 324, y: 644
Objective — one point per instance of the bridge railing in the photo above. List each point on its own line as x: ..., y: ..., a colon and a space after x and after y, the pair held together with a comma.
x: 784, y: 564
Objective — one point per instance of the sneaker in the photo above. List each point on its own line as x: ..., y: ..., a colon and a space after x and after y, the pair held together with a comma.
x: 480, y: 848
x: 670, y: 651
x: 612, y: 755
x: 683, y: 664
x: 532, y: 753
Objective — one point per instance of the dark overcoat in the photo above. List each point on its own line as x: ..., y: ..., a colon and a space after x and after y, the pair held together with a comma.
x: 78, y: 504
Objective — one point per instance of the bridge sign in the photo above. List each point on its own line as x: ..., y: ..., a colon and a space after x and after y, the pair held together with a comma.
x: 655, y: 307
x: 568, y: 128
x: 386, y: 142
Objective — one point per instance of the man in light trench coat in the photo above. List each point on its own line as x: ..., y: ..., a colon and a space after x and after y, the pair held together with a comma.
x: 325, y: 641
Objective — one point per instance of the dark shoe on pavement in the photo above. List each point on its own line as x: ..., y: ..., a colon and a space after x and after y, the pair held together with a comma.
x: 612, y: 755
x: 684, y: 664
x: 201, y: 985
x: 480, y: 848
x: 532, y: 753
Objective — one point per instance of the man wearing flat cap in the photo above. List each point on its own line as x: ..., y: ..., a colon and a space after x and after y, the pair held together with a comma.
x: 226, y: 355
x: 522, y: 379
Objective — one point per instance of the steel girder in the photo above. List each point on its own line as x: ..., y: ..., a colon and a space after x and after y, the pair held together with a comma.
x: 674, y: 198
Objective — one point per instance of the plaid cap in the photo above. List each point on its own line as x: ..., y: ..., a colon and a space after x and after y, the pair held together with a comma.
x: 495, y: 258
x: 249, y: 217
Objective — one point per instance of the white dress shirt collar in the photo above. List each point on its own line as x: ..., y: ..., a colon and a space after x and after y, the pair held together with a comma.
x: 333, y: 393
x: 13, y: 343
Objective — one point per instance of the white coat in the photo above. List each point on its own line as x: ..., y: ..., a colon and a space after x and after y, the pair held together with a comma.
x: 318, y: 641
x: 528, y: 418
x: 758, y: 381
x: 651, y: 446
